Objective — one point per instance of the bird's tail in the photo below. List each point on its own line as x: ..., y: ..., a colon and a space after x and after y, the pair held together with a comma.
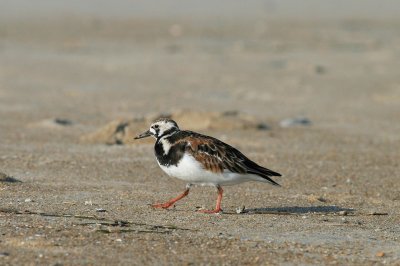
x: 264, y: 173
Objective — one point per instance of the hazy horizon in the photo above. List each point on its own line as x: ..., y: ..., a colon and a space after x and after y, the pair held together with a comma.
x: 196, y: 9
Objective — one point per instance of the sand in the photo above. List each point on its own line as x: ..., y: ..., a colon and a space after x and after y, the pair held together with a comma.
x: 75, y: 191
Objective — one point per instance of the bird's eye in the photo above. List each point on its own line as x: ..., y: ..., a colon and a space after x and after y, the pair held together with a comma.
x: 156, y: 126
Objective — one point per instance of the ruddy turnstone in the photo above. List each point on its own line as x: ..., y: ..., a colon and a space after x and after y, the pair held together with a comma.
x: 201, y: 160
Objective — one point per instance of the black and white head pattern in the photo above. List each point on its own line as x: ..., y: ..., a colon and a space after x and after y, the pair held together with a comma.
x: 163, y: 127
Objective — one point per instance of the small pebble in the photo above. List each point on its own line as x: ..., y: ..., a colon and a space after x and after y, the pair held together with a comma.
x: 297, y: 121
x: 240, y: 209
x: 263, y: 126
x: 378, y: 213
x: 321, y: 199
x: 314, y: 198
x: 100, y: 210
x: 62, y: 121
x: 28, y: 200
x: 380, y: 254
x: 343, y: 213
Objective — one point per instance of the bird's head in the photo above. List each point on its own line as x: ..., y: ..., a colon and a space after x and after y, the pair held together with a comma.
x: 160, y: 127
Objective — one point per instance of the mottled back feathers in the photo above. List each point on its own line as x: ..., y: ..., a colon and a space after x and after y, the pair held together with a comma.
x: 213, y: 154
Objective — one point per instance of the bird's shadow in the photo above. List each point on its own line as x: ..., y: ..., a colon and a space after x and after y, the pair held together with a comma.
x: 297, y: 210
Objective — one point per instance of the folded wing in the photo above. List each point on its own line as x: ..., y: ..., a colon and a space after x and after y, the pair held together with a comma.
x: 217, y: 156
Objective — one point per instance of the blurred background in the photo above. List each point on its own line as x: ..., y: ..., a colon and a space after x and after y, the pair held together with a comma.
x: 92, y: 61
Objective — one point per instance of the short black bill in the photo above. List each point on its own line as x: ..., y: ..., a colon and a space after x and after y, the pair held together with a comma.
x: 144, y: 135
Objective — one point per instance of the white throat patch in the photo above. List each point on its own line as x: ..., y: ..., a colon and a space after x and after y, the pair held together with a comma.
x: 166, y: 145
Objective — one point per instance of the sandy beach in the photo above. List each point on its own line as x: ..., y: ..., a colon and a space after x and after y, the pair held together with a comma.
x: 75, y: 187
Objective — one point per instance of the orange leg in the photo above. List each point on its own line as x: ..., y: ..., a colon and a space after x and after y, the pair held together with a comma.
x: 172, y: 201
x: 218, y: 205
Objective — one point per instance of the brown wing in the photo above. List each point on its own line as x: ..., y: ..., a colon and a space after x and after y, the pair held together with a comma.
x: 214, y: 155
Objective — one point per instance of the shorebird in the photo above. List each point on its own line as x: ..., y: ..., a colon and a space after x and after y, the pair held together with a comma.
x: 201, y: 160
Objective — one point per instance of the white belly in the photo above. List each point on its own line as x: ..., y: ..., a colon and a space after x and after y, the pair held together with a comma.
x: 191, y: 171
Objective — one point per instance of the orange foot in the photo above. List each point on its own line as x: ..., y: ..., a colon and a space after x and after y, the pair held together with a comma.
x: 210, y: 211
x: 172, y: 201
